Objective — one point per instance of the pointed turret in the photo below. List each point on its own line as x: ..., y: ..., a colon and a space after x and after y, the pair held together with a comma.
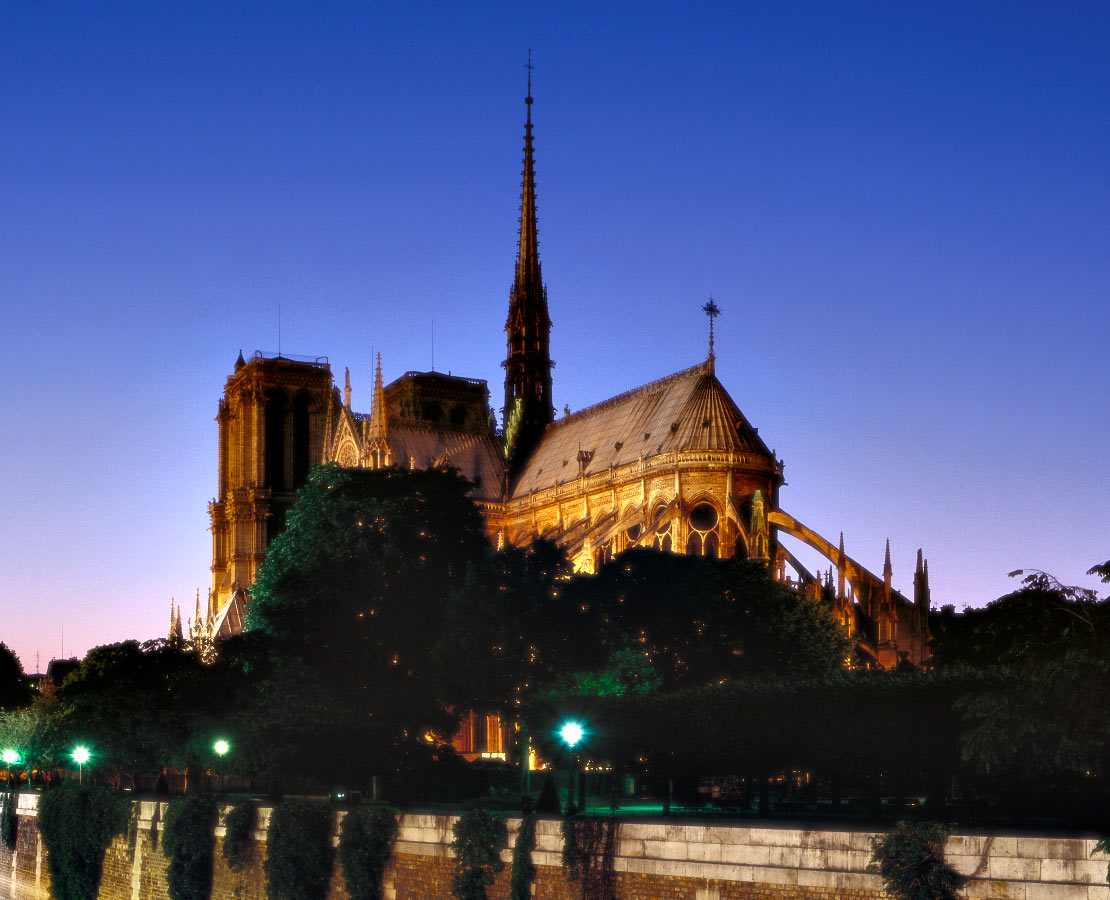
x: 528, y: 405
x: 887, y: 573
x: 346, y: 387
x: 240, y: 362
x: 380, y: 453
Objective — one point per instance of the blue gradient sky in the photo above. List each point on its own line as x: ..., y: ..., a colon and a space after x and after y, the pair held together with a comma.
x: 903, y: 210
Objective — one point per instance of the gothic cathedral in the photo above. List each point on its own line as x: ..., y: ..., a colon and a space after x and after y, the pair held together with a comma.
x: 673, y: 465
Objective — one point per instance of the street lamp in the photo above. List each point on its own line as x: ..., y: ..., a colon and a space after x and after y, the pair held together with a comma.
x: 81, y: 756
x: 221, y: 747
x: 10, y: 759
x: 572, y: 733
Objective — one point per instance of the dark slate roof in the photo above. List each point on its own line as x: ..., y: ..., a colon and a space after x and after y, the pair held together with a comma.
x: 687, y: 411
x: 475, y: 456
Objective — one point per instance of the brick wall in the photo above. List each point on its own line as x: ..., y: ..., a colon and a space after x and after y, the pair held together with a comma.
x: 654, y: 861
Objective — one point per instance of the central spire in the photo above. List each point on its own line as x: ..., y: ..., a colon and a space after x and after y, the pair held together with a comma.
x: 528, y: 405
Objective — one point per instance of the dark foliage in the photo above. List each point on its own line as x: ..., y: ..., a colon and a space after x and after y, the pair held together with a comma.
x: 77, y: 824
x: 344, y: 618
x: 298, y: 851
x: 365, y: 843
x: 548, y: 801
x: 239, y: 827
x: 189, y: 841
x: 910, y: 860
x: 9, y: 819
x: 13, y: 687
x: 480, y: 836
x: 589, y: 846
x: 523, y: 872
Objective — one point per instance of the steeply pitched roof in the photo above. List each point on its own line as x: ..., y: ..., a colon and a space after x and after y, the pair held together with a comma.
x: 475, y: 456
x: 689, y: 410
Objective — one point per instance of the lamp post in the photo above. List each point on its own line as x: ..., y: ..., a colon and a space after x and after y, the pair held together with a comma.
x: 10, y: 759
x: 221, y: 747
x: 81, y: 756
x: 572, y: 733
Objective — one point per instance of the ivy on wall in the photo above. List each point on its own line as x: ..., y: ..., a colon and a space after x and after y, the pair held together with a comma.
x: 589, y: 852
x: 480, y: 836
x: 298, y: 851
x: 77, y: 824
x: 189, y: 841
x: 239, y: 826
x: 365, y: 843
x: 910, y: 860
x: 9, y: 821
x: 523, y: 872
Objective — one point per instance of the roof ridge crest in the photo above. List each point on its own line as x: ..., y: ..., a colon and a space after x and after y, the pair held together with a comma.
x: 643, y: 388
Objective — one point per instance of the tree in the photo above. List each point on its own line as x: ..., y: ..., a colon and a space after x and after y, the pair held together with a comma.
x: 344, y: 618
x: 161, y: 692
x: 14, y: 691
x: 1045, y: 654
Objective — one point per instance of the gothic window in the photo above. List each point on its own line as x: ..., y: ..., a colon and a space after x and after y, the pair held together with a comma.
x: 347, y: 456
x: 302, y: 457
x: 431, y: 412
x: 276, y: 406
x: 458, y: 415
x: 703, y: 534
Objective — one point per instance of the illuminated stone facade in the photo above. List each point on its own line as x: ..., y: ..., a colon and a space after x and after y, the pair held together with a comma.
x: 673, y: 464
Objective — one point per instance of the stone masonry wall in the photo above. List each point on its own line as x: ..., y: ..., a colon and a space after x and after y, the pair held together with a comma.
x: 654, y: 861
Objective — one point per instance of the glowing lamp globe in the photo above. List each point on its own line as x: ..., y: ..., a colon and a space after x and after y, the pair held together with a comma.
x: 11, y: 757
x: 80, y: 755
x: 221, y: 747
x: 571, y: 733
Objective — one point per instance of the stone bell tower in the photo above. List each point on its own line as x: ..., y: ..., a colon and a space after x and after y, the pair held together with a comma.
x: 272, y: 425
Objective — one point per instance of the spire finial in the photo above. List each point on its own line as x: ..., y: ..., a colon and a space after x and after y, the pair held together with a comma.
x: 712, y: 310
x: 528, y: 65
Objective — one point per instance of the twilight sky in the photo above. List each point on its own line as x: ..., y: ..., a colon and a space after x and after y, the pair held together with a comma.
x: 903, y: 210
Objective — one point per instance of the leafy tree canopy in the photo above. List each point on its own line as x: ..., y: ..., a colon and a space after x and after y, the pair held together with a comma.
x: 14, y: 691
x: 345, y: 615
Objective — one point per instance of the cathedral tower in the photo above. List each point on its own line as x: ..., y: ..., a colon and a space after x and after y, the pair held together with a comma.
x: 272, y: 421
x: 528, y: 405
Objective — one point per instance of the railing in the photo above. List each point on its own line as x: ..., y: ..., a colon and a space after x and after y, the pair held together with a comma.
x: 292, y: 357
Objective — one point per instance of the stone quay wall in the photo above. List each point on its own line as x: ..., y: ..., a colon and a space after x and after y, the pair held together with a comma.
x: 654, y: 861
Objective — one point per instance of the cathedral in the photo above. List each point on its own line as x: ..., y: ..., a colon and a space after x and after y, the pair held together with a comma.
x: 673, y: 465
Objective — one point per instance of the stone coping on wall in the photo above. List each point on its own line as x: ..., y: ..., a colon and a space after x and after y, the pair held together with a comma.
x: 828, y: 861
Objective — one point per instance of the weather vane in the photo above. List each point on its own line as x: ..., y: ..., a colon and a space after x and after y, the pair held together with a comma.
x: 712, y: 310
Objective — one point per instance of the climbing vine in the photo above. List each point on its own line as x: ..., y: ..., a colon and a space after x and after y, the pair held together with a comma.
x: 589, y: 849
x: 239, y: 826
x: 298, y: 851
x: 1103, y: 846
x: 9, y: 821
x: 365, y: 842
x: 480, y: 836
x: 910, y: 860
x: 523, y: 871
x: 77, y: 824
x: 188, y: 841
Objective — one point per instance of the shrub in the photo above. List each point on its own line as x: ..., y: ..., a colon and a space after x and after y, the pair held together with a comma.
x: 77, y: 824
x: 523, y: 872
x: 9, y: 821
x: 239, y: 826
x: 910, y: 860
x: 480, y: 836
x: 1103, y: 846
x: 298, y: 851
x: 188, y: 841
x: 365, y: 842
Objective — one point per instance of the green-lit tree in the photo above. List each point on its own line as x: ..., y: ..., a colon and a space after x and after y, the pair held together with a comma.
x: 344, y: 618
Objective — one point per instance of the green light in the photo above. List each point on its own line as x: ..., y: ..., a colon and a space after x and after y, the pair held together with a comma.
x: 571, y: 733
x: 11, y: 757
x: 80, y: 755
x: 221, y: 747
